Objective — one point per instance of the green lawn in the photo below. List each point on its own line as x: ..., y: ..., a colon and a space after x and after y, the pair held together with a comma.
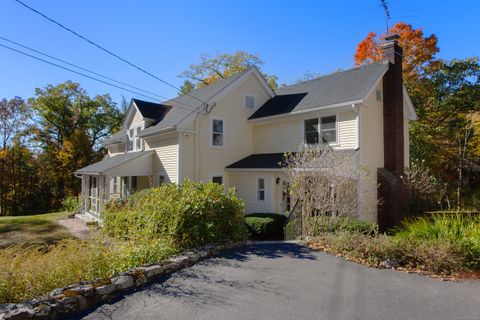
x: 36, y: 229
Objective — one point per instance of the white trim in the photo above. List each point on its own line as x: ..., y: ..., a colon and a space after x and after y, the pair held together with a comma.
x: 411, y: 114
x: 329, y: 107
x: 160, y: 130
x: 319, y: 129
x: 210, y: 134
x: 380, y: 78
x: 257, y: 189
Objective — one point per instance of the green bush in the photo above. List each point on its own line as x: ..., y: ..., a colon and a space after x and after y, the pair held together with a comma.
x: 460, y: 229
x: 265, y: 226
x: 436, y: 256
x: 71, y: 204
x: 323, y: 224
x: 181, y: 216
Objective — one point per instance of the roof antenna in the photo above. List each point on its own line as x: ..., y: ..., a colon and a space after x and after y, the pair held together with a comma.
x: 384, y: 5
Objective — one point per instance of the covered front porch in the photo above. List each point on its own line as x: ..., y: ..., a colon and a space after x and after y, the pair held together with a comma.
x: 114, y: 177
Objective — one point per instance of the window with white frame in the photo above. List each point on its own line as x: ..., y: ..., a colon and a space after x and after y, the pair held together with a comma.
x: 311, y: 131
x: 250, y: 102
x: 217, y: 133
x: 114, y: 185
x: 134, y: 143
x: 260, y: 189
x: 217, y: 179
x: 328, y: 129
x: 322, y: 130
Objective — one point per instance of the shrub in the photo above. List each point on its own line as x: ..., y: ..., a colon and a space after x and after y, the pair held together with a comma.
x: 323, y: 224
x: 180, y: 216
x: 265, y: 226
x: 71, y: 204
x: 460, y: 229
x: 434, y: 256
x: 27, y: 272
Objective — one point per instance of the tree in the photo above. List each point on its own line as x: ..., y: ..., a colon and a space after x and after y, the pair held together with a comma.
x: 330, y: 186
x: 187, y: 87
x: 13, y: 118
x: 211, y: 69
x: 418, y: 50
x: 70, y: 127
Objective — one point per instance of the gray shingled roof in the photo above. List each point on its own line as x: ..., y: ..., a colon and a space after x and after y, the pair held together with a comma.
x: 112, y: 162
x: 184, y: 104
x: 349, y: 85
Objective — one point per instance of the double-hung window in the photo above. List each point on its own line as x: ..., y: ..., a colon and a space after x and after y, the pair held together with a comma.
x: 328, y: 129
x: 260, y: 189
x: 322, y: 130
x: 217, y: 133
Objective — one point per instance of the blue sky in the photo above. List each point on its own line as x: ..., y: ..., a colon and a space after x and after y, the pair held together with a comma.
x: 165, y: 37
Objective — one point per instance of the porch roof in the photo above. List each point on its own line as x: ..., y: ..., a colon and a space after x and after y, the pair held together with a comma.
x: 120, y: 165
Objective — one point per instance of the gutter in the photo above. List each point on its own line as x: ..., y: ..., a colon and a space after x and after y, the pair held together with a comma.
x: 328, y: 107
x: 158, y: 131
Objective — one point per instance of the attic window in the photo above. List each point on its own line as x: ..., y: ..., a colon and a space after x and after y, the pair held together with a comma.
x: 250, y: 101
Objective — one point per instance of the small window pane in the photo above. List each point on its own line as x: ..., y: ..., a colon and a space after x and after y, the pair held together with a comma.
x: 328, y: 122
x: 311, y: 125
x: 249, y: 102
x: 217, y: 179
x: 218, y: 126
x: 260, y: 189
x: 329, y: 136
x: 261, y: 183
x: 217, y: 139
x: 261, y: 195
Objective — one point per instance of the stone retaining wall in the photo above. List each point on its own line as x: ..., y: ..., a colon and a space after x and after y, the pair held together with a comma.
x: 78, y: 297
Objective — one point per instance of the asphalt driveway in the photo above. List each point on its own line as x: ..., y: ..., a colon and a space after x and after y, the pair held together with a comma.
x: 289, y: 281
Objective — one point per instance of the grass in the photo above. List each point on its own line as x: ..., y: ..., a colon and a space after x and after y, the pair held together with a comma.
x: 32, y: 230
x: 440, y: 245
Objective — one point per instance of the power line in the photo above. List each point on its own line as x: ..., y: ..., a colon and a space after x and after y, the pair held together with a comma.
x: 79, y: 73
x: 93, y: 72
x: 106, y: 50
x: 81, y: 68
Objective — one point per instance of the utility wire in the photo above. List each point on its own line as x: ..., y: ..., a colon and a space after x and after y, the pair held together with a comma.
x: 81, y: 68
x: 106, y: 50
x: 93, y: 72
x: 79, y: 73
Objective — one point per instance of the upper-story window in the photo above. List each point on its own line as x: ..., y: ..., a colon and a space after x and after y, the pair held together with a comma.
x: 217, y: 133
x: 323, y: 130
x: 134, y: 143
x: 250, y: 102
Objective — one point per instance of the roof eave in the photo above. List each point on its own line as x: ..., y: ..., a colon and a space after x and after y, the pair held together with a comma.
x: 157, y: 131
x: 328, y: 107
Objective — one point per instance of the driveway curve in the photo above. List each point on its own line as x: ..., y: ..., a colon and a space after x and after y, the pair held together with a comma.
x: 289, y: 281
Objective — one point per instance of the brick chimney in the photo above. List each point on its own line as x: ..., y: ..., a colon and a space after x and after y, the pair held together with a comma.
x: 393, y: 107
x: 392, y: 192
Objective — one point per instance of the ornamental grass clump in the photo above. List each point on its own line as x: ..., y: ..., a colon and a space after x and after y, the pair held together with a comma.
x: 180, y: 216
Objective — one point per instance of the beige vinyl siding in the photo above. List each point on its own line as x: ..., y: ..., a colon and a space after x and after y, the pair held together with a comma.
x: 165, y: 160
x: 281, y: 135
x: 237, y: 137
x: 371, y: 148
x: 137, y: 119
x: 245, y: 183
x: 347, y: 130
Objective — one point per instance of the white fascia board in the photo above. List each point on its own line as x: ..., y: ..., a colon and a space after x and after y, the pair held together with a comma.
x: 329, y: 107
x: 411, y: 114
x: 158, y: 131
x: 235, y: 84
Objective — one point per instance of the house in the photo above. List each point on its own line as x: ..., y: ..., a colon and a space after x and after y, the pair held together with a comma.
x: 235, y: 132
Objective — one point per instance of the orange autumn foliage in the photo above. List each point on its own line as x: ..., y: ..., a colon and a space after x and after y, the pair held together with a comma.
x: 417, y: 48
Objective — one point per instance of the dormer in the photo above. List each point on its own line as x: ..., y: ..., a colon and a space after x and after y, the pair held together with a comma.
x: 139, y: 116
